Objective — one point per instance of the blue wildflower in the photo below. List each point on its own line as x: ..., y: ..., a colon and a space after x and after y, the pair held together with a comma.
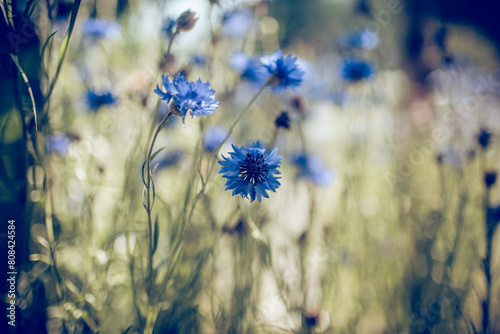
x: 364, y: 39
x: 183, y: 96
x: 213, y: 137
x: 96, y: 100
x: 251, y: 171
x: 311, y: 168
x: 284, y: 70
x: 96, y: 29
x: 248, y: 68
x: 235, y: 23
x: 355, y: 70
x: 57, y: 143
x: 199, y: 60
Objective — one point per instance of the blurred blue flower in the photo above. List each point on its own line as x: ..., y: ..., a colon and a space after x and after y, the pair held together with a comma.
x: 213, y: 137
x: 96, y: 100
x: 196, y: 97
x: 199, y: 59
x: 96, y: 29
x: 311, y: 168
x: 364, y: 39
x: 355, y: 70
x: 168, y: 27
x: 167, y: 158
x: 251, y: 171
x: 248, y: 68
x: 284, y: 70
x: 57, y: 143
x: 235, y: 23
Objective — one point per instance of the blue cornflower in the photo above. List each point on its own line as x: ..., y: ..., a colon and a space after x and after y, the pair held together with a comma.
x: 248, y: 68
x: 96, y: 100
x: 311, y: 168
x: 355, y: 70
x: 251, y: 171
x: 235, y: 23
x: 96, y: 29
x: 57, y: 143
x: 213, y: 137
x: 183, y: 96
x: 284, y: 70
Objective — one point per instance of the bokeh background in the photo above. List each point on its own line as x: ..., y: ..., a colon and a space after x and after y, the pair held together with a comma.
x: 386, y: 215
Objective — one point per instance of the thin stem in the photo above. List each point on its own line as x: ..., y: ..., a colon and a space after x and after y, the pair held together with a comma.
x: 149, y: 207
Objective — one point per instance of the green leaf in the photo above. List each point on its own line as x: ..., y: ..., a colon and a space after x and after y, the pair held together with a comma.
x: 156, y: 233
x: 44, y: 71
x: 65, y: 44
x: 30, y: 91
x: 156, y: 153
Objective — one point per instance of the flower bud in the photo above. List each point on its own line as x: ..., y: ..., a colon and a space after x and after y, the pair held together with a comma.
x: 282, y: 121
x: 186, y: 21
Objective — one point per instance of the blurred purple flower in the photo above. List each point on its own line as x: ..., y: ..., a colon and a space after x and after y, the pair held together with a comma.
x: 57, y: 143
x: 235, y: 23
x: 96, y: 29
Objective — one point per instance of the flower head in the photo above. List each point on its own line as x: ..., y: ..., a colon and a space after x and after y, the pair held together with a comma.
x: 248, y: 68
x: 186, y: 21
x: 213, y: 137
x: 484, y: 138
x: 196, y: 97
x: 311, y: 168
x: 282, y: 121
x: 284, y: 70
x: 251, y: 171
x: 96, y: 100
x: 363, y: 39
x: 355, y: 70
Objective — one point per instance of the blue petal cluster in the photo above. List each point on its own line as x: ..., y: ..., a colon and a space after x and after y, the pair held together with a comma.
x: 311, y: 168
x: 96, y: 100
x: 284, y: 70
x: 251, y: 171
x: 355, y: 70
x: 196, y: 97
x: 248, y: 68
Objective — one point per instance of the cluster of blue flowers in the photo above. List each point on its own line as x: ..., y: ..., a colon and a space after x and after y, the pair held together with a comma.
x: 251, y: 171
x: 280, y: 71
x: 196, y: 97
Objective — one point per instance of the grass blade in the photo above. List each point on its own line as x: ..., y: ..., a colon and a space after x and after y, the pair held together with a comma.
x: 30, y: 91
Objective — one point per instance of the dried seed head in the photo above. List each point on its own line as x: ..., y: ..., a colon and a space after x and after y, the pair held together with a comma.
x: 186, y: 21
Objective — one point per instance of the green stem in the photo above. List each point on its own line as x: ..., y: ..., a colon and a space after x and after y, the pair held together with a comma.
x: 149, y: 207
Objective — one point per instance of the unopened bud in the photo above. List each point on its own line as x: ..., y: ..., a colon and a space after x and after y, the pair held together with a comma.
x: 186, y: 21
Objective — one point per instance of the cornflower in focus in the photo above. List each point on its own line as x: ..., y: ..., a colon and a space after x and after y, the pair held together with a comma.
x: 355, y: 70
x: 284, y: 71
x: 183, y: 96
x: 251, y: 171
